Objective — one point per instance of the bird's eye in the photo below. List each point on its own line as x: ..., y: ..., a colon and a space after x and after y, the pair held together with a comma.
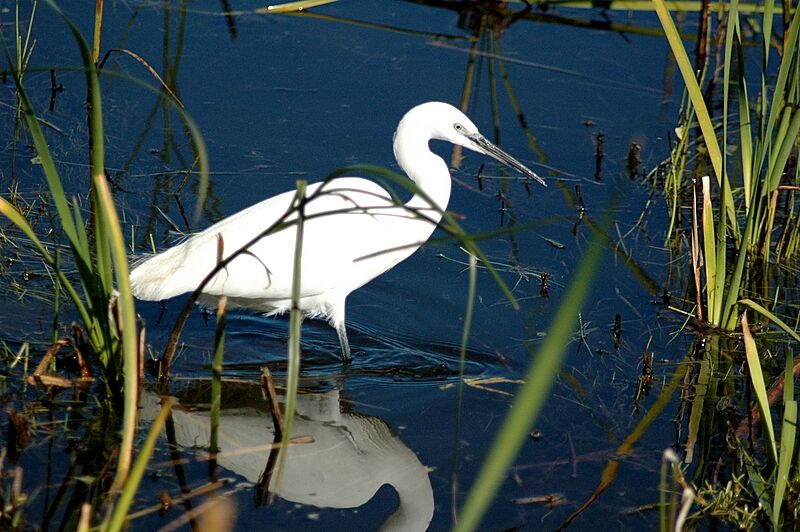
x: 458, y: 127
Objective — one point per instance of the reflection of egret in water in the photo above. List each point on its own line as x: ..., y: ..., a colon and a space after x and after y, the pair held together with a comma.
x: 350, y: 458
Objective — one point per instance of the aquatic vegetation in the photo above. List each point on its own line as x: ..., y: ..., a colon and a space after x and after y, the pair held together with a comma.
x: 110, y: 322
x: 742, y: 225
x: 102, y: 295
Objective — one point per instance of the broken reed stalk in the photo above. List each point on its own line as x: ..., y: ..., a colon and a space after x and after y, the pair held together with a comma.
x: 98, y: 27
x: 268, y: 387
x: 39, y: 376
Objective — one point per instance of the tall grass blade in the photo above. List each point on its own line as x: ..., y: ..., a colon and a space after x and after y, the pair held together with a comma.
x: 111, y: 244
x: 779, y: 92
x: 766, y: 31
x: 300, y: 5
x: 704, y: 381
x: 788, y: 435
x: 696, y: 95
x: 731, y: 294
x: 96, y: 149
x: 117, y: 520
x: 709, y: 252
x: 10, y: 212
x: 759, y: 387
x: 216, y: 373
x: 772, y: 317
x: 531, y: 396
x: 749, y: 179
x: 295, y: 320
x: 471, y: 289
x: 786, y: 141
x: 130, y: 353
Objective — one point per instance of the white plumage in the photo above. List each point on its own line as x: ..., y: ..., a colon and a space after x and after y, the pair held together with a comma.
x: 352, y: 233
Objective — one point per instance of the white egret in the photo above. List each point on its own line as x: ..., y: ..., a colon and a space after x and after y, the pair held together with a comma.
x: 365, y: 233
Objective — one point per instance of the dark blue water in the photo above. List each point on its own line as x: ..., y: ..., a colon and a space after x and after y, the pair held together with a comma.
x: 294, y: 97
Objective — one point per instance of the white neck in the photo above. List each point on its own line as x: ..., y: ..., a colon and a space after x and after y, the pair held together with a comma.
x: 428, y: 171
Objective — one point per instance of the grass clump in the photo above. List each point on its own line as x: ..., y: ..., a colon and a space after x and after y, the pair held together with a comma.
x: 743, y: 225
x: 99, y: 292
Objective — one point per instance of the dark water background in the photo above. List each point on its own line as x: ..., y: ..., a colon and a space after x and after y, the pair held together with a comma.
x: 296, y: 97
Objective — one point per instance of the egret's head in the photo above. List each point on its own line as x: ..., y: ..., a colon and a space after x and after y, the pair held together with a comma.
x: 450, y: 124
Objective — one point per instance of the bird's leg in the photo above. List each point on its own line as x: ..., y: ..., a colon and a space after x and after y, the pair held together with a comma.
x: 342, y: 332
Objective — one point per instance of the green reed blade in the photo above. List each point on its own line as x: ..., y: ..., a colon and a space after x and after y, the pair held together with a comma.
x: 709, y: 251
x: 749, y: 178
x: 111, y: 254
x: 96, y: 147
x: 788, y: 436
x: 130, y: 349
x: 721, y: 264
x: 771, y: 317
x: 728, y: 319
x: 698, y: 101
x: 690, y: 80
x: 103, y: 260
x: 87, y: 277
x: 10, y: 212
x: 531, y: 396
x: 80, y: 226
x: 766, y: 31
x: 784, y: 70
x: 759, y: 387
x: 786, y: 141
x: 117, y: 520
x: 216, y: 373
x: 726, y: 74
x: 295, y: 321
x: 300, y: 5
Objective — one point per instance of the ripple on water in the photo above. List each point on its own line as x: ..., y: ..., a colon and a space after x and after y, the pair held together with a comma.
x: 253, y: 341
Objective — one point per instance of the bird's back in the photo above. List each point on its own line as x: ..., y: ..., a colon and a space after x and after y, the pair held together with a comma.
x: 351, y: 234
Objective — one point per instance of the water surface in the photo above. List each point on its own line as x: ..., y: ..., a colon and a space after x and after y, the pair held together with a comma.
x: 289, y: 97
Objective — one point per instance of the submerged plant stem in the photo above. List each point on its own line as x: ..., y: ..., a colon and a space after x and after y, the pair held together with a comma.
x: 473, y: 276
x: 295, y: 321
